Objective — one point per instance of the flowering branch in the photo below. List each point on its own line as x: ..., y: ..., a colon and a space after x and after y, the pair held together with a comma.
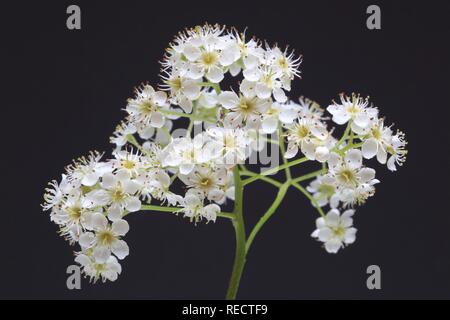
x: 194, y: 173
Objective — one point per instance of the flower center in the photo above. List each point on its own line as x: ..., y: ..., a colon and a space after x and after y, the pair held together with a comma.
x: 117, y: 194
x: 353, y: 109
x: 205, y: 182
x: 347, y: 177
x: 376, y: 133
x: 100, y: 267
x: 229, y: 141
x: 283, y: 63
x: 147, y: 107
x: 128, y: 164
x: 209, y: 59
x: 247, y: 106
x: 267, y: 80
x: 176, y: 84
x: 188, y: 154
x: 74, y: 213
x: 105, y: 238
x: 302, y: 131
x: 339, y: 232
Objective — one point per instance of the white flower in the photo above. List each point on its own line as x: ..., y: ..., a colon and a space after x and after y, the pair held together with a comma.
x: 308, y: 135
x: 206, y: 52
x: 128, y: 162
x: 207, y: 182
x: 146, y: 107
x: 397, y: 151
x: 323, y: 189
x: 285, y: 64
x: 183, y: 91
x: 267, y: 84
x: 243, y: 109
x: 194, y: 209
x: 156, y: 184
x: 118, y: 191
x: 106, y: 239
x: 120, y: 135
x: 355, y: 109
x: 348, y: 171
x: 56, y: 192
x: 251, y: 54
x: 335, y: 230
x: 88, y: 170
x: 310, y: 109
x: 286, y: 113
x: 377, y: 141
x: 231, y: 146
x: 358, y: 195
x: 185, y: 153
x: 108, y: 270
x: 72, y: 216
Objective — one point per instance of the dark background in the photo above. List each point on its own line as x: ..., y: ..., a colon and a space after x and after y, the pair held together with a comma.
x: 62, y: 95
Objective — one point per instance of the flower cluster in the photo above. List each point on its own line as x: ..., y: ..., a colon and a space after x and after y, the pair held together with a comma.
x: 348, y: 182
x: 200, y: 58
x: 193, y: 173
x: 93, y: 196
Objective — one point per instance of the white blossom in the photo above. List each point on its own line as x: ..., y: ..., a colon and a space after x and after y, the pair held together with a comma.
x: 108, y: 270
x: 106, y: 238
x: 207, y: 182
x: 335, y: 230
x: 324, y: 191
x: 145, y: 108
x: 353, y: 108
x: 310, y: 137
x: 397, y: 151
x: 193, y: 208
x: 243, y: 109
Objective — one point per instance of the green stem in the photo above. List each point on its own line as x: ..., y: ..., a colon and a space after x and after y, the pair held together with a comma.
x: 151, y: 207
x: 239, y: 228
x: 310, y: 175
x: 215, y: 86
x: 350, y: 146
x: 267, y: 215
x: 132, y: 140
x: 189, y: 128
x: 263, y: 178
x: 345, y: 135
x: 287, y: 170
x: 309, y: 196
x: 275, y: 170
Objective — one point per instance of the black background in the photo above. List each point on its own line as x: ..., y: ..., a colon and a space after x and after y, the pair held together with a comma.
x: 62, y: 95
